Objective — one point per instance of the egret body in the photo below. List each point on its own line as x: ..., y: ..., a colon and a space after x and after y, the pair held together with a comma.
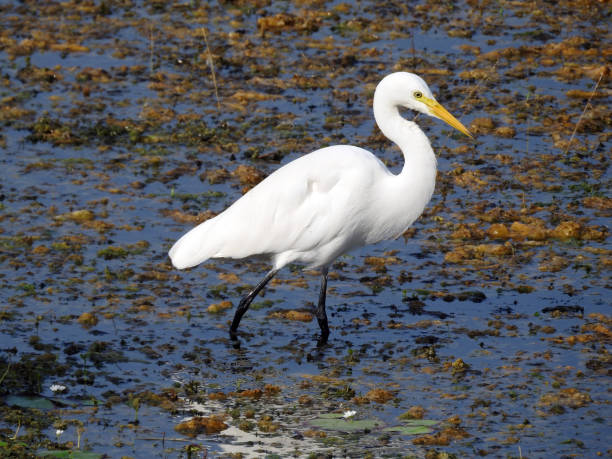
x: 330, y: 201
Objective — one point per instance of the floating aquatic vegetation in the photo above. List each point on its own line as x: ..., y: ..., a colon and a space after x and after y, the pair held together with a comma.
x: 199, y: 424
x: 337, y: 422
x: 490, y: 311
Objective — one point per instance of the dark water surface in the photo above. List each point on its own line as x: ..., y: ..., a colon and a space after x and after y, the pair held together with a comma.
x: 489, y: 321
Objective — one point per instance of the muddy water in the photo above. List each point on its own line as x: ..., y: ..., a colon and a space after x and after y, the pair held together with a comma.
x: 485, y: 330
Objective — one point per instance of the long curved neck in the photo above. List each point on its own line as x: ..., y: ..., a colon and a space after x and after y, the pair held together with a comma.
x: 407, y: 135
x: 405, y: 195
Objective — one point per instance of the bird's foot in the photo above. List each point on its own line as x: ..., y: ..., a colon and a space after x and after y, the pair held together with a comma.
x: 322, y: 340
x: 234, y: 338
x: 317, y: 353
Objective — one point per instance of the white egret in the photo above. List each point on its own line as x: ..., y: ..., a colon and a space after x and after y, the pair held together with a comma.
x: 328, y: 202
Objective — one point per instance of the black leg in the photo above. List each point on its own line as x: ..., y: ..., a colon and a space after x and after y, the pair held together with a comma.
x: 320, y: 312
x: 246, y: 302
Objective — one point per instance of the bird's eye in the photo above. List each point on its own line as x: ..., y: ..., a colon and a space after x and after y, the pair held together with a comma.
x: 417, y: 94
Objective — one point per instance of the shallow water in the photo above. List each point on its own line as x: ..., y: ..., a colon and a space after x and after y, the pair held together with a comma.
x: 500, y: 339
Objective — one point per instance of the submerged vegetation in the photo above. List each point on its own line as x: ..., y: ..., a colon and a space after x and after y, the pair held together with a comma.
x: 484, y: 331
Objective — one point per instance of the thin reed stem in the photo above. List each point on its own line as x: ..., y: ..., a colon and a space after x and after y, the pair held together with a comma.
x: 586, y: 106
x: 209, y: 61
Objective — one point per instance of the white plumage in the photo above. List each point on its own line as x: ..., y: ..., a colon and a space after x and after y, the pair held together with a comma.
x: 330, y: 201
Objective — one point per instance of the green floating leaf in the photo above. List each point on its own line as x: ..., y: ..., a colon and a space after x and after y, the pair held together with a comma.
x: 29, y: 401
x: 413, y: 427
x: 420, y: 422
x: 331, y: 416
x: 336, y: 421
x: 5, y: 444
x: 91, y: 402
x: 409, y: 430
x: 66, y: 453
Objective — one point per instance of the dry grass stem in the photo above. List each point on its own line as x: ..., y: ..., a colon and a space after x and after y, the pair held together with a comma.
x: 151, y: 47
x: 209, y: 60
x: 586, y: 106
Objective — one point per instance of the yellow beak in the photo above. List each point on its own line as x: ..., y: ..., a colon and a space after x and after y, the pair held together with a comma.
x: 439, y: 111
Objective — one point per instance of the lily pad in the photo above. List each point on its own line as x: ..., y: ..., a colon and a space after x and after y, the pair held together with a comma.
x: 336, y: 421
x: 413, y: 427
x: 420, y: 422
x: 409, y: 430
x: 29, y: 401
x: 91, y: 402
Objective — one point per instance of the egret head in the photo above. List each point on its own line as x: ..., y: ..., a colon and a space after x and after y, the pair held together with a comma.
x: 410, y: 91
